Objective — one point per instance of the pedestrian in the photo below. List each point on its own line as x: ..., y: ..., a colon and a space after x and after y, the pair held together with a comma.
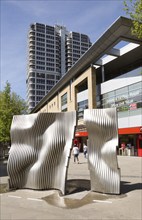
x: 85, y: 150
x: 76, y: 153
x: 122, y: 149
x: 129, y: 145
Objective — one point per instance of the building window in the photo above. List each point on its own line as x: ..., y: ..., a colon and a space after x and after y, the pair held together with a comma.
x: 57, y: 77
x: 41, y: 81
x: 49, y: 69
x: 49, y: 76
x: 40, y: 63
x: 40, y: 75
x: 42, y: 87
x: 80, y: 107
x: 48, y: 88
x: 40, y: 58
x: 64, y: 110
x: 40, y: 67
x: 38, y: 98
x: 64, y: 102
x: 40, y: 48
x: 50, y: 82
x: 42, y: 93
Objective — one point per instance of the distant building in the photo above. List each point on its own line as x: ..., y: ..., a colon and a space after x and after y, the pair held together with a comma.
x: 108, y: 75
x: 51, y: 53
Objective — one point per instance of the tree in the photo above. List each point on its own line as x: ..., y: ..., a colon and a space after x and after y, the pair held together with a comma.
x: 134, y: 9
x: 10, y: 104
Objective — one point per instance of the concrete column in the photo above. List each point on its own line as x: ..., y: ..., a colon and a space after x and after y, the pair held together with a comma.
x: 103, y: 74
x: 74, y: 97
x: 92, y: 88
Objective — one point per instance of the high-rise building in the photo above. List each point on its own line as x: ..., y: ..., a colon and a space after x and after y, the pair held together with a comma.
x: 51, y: 53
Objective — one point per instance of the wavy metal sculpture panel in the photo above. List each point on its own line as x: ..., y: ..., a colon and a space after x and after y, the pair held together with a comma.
x: 102, y: 158
x: 40, y: 150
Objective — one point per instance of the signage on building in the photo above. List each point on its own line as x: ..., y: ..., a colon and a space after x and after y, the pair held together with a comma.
x: 81, y: 134
x: 133, y: 106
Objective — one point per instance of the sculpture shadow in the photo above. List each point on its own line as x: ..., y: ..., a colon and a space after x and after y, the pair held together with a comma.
x: 128, y: 187
x: 77, y: 185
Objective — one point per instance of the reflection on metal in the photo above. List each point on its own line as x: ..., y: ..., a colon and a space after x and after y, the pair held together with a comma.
x: 40, y: 150
x: 102, y: 158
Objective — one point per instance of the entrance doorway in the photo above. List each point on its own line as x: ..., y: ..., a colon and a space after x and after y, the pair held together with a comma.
x: 139, y: 144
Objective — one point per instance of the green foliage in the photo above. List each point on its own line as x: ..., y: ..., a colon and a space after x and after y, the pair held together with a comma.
x: 10, y: 104
x: 134, y: 9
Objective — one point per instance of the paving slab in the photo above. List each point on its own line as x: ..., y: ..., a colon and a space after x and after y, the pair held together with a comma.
x: 80, y: 202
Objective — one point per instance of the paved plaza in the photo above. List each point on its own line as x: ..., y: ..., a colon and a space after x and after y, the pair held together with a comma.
x: 80, y: 202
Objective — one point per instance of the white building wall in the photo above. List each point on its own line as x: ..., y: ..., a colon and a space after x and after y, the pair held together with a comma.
x: 121, y: 81
x: 132, y: 121
x: 81, y: 96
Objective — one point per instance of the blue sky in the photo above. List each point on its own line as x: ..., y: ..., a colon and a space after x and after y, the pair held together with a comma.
x: 91, y: 17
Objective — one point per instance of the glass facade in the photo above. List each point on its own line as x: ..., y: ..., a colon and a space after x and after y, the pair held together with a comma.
x: 127, y: 99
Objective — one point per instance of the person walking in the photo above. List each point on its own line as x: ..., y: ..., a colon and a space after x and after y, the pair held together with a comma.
x: 76, y: 153
x: 85, y: 149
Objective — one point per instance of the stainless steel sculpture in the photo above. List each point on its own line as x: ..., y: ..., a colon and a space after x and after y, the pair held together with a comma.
x: 40, y: 150
x: 102, y: 158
